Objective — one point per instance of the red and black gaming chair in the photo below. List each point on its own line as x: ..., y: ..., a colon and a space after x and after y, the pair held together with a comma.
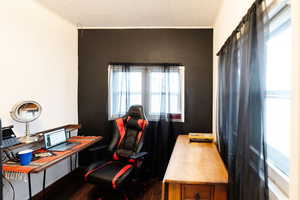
x: 125, y: 150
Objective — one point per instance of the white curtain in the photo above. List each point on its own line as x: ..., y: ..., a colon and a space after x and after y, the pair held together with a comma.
x: 159, y: 88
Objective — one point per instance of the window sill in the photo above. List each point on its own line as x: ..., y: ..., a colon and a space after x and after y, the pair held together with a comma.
x: 152, y: 118
x: 278, y: 184
x: 275, y: 193
x: 278, y: 181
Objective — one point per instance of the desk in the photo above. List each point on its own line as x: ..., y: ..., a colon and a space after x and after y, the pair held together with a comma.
x: 43, y: 164
x: 195, y: 171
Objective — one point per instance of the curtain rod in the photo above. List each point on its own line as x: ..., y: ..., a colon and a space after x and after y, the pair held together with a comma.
x: 145, y: 64
x: 237, y: 29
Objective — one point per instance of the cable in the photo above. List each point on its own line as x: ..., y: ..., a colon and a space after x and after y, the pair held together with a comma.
x: 4, y: 156
x: 10, y: 155
x: 11, y: 185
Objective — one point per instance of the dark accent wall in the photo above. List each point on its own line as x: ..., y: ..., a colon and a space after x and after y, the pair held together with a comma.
x: 191, y: 47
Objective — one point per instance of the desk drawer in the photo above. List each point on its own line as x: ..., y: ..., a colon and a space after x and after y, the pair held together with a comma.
x: 197, y: 192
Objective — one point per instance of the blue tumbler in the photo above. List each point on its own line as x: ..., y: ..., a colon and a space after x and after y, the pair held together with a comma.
x: 25, y: 156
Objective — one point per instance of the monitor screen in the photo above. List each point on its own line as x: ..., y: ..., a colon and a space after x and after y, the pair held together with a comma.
x: 54, y: 138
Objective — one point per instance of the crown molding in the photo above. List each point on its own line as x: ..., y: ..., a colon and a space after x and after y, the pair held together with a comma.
x: 147, y: 27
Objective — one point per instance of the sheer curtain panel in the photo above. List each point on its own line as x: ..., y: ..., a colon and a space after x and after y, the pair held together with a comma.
x: 242, y: 65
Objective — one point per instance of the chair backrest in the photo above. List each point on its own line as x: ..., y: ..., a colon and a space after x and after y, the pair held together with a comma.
x: 129, y: 132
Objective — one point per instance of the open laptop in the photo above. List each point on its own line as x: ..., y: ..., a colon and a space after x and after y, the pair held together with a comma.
x: 57, y: 141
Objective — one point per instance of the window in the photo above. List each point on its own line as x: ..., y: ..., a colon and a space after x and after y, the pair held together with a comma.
x: 278, y: 94
x: 120, y: 82
x: 278, y: 102
x: 160, y: 89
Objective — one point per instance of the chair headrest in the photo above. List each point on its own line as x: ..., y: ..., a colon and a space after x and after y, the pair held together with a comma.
x: 136, y: 112
x: 132, y: 124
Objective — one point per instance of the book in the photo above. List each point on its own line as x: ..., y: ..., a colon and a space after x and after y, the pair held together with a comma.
x: 201, y: 137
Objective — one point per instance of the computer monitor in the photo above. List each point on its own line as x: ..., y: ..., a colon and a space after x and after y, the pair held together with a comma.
x: 54, y: 138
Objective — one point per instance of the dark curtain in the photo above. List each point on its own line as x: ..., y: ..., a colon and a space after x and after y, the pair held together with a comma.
x: 161, y: 134
x: 242, y: 65
x: 159, y: 143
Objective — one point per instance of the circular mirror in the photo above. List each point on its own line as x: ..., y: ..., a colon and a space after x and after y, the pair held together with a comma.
x: 25, y: 112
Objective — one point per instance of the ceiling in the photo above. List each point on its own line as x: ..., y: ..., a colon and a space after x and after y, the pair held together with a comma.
x: 136, y: 13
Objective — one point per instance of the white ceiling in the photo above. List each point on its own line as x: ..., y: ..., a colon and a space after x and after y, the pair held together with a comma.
x: 136, y: 13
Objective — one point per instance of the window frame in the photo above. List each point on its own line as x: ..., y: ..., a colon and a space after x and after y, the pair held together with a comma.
x: 111, y: 93
x: 145, y: 92
x: 278, y: 180
x: 180, y: 96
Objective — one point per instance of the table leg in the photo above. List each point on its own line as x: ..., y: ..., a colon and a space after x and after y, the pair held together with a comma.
x: 29, y: 186
x: 76, y: 156
x: 44, y: 183
x: 71, y: 164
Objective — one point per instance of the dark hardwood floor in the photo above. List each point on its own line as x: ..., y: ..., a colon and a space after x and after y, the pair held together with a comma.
x: 73, y: 187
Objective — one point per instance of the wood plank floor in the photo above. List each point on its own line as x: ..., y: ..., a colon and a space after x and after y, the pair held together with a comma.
x: 73, y: 187
x: 153, y: 192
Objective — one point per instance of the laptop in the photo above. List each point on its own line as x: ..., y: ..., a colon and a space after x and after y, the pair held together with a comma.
x: 57, y: 141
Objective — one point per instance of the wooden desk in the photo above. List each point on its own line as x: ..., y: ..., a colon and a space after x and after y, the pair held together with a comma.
x: 195, y: 171
x: 66, y: 154
x: 43, y: 164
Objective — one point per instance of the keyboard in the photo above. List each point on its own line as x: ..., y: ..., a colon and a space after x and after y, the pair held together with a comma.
x: 8, y: 142
x: 64, y: 146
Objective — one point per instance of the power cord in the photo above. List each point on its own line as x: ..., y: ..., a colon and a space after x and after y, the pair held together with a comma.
x: 8, y: 154
x: 11, y: 185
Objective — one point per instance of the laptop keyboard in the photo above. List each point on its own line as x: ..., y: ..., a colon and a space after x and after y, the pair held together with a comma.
x: 64, y: 146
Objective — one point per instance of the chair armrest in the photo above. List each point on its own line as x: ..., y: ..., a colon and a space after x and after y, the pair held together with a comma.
x: 139, y: 155
x: 98, y: 148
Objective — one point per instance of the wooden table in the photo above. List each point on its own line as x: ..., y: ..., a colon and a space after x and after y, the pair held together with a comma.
x: 195, y: 171
x: 68, y: 154
x: 45, y: 166
x: 85, y: 142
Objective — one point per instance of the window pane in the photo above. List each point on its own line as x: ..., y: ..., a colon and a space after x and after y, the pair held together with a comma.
x: 171, y: 80
x: 155, y: 101
x: 118, y: 104
x: 130, y: 80
x: 279, y: 61
x: 156, y: 81
x: 278, y: 103
x: 174, y: 79
x: 126, y: 90
x: 174, y: 104
x: 135, y: 99
x: 135, y: 79
x: 278, y: 128
x: 167, y: 85
x: 148, y: 86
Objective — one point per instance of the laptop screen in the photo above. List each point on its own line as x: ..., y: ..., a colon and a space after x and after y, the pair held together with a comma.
x: 54, y: 138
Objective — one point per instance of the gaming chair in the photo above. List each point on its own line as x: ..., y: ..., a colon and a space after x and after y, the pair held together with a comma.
x: 125, y: 152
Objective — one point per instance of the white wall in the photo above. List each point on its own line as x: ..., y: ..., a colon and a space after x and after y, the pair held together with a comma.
x: 229, y: 16
x: 38, y: 61
x: 295, y: 162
